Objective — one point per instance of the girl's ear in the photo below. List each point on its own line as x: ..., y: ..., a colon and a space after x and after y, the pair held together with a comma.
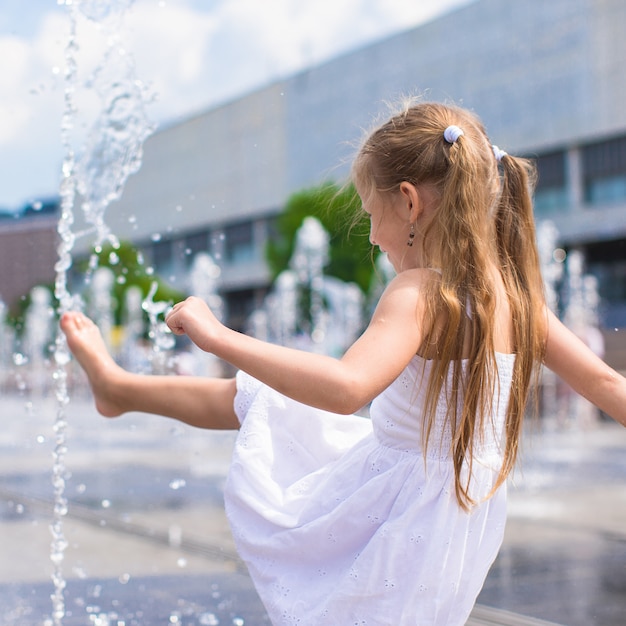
x: 412, y: 201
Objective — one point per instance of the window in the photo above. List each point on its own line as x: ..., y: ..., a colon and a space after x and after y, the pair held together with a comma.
x: 241, y: 304
x: 194, y: 243
x: 604, y: 170
x: 607, y: 261
x: 610, y: 190
x: 551, y: 191
x: 162, y: 254
x: 239, y: 242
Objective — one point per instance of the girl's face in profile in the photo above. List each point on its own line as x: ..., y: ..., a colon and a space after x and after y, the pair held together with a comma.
x: 389, y: 227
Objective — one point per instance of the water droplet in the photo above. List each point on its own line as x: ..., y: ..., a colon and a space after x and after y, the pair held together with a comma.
x: 156, y: 237
x: 95, y: 591
x: 62, y: 357
x: 177, y: 484
x: 175, y: 535
x: 181, y: 562
x: 208, y: 619
x: 238, y: 621
x: 106, y: 504
x: 19, y: 358
x: 124, y: 578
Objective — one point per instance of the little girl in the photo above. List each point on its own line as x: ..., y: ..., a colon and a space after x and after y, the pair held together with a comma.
x: 393, y: 520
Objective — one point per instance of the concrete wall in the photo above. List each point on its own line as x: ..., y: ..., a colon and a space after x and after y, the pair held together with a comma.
x: 540, y: 74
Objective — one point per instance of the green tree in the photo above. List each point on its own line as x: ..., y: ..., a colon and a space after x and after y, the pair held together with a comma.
x: 128, y: 269
x: 338, y: 209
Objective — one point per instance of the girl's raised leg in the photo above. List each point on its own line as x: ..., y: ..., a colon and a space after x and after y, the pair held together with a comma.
x: 201, y: 402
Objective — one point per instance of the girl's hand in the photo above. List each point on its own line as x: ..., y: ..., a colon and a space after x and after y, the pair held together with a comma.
x: 193, y: 318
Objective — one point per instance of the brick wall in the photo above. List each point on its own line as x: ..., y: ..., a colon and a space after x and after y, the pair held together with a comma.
x: 27, y: 256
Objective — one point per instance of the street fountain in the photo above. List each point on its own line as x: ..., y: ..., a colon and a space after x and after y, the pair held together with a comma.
x: 88, y: 588
x: 112, y: 152
x: 6, y: 347
x: 130, y: 353
x: 573, y: 296
x: 551, y: 260
x: 307, y: 308
x: 204, y: 277
x: 37, y: 337
x: 581, y: 315
x: 331, y: 322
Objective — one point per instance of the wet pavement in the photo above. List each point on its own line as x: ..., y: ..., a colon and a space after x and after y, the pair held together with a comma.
x: 149, y: 544
x: 564, y: 554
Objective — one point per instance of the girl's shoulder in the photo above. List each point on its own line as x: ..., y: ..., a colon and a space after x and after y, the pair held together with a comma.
x: 417, y: 279
x: 408, y: 292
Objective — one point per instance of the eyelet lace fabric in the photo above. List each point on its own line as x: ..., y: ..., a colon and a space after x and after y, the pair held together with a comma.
x: 342, y: 520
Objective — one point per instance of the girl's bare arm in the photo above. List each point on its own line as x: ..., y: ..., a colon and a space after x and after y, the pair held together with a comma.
x: 339, y: 385
x: 569, y: 358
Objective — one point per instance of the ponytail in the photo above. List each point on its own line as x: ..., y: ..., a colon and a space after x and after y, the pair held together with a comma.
x: 514, y: 220
x: 519, y: 261
x: 484, y: 217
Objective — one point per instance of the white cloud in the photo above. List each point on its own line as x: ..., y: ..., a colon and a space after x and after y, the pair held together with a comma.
x: 170, y: 44
x: 13, y: 116
x: 191, y: 53
x: 30, y: 111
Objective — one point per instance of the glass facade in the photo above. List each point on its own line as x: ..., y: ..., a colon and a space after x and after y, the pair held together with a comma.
x: 604, y: 172
x: 606, y: 260
x: 239, y: 243
x: 551, y: 191
x: 194, y: 243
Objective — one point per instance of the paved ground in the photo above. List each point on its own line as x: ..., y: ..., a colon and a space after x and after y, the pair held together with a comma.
x: 149, y: 545
x: 564, y: 555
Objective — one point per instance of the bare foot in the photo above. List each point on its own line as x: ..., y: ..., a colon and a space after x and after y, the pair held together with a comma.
x: 87, y: 345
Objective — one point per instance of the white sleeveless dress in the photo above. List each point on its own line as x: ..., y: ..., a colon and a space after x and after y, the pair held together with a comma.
x: 342, y: 521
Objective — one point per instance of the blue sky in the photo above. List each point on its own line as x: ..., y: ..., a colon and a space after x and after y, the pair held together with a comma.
x: 191, y: 53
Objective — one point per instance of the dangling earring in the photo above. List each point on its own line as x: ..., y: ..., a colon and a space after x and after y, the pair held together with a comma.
x: 411, y: 236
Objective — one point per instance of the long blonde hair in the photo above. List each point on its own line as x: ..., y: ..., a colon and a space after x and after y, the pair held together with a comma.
x: 484, y: 217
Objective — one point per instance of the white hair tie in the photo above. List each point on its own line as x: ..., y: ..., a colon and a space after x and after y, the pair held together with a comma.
x: 499, y: 154
x: 452, y: 133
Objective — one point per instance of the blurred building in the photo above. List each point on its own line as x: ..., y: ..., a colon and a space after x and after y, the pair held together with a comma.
x: 547, y: 79
x: 27, y: 250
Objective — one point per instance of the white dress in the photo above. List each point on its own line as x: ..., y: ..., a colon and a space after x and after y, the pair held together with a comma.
x: 342, y: 521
